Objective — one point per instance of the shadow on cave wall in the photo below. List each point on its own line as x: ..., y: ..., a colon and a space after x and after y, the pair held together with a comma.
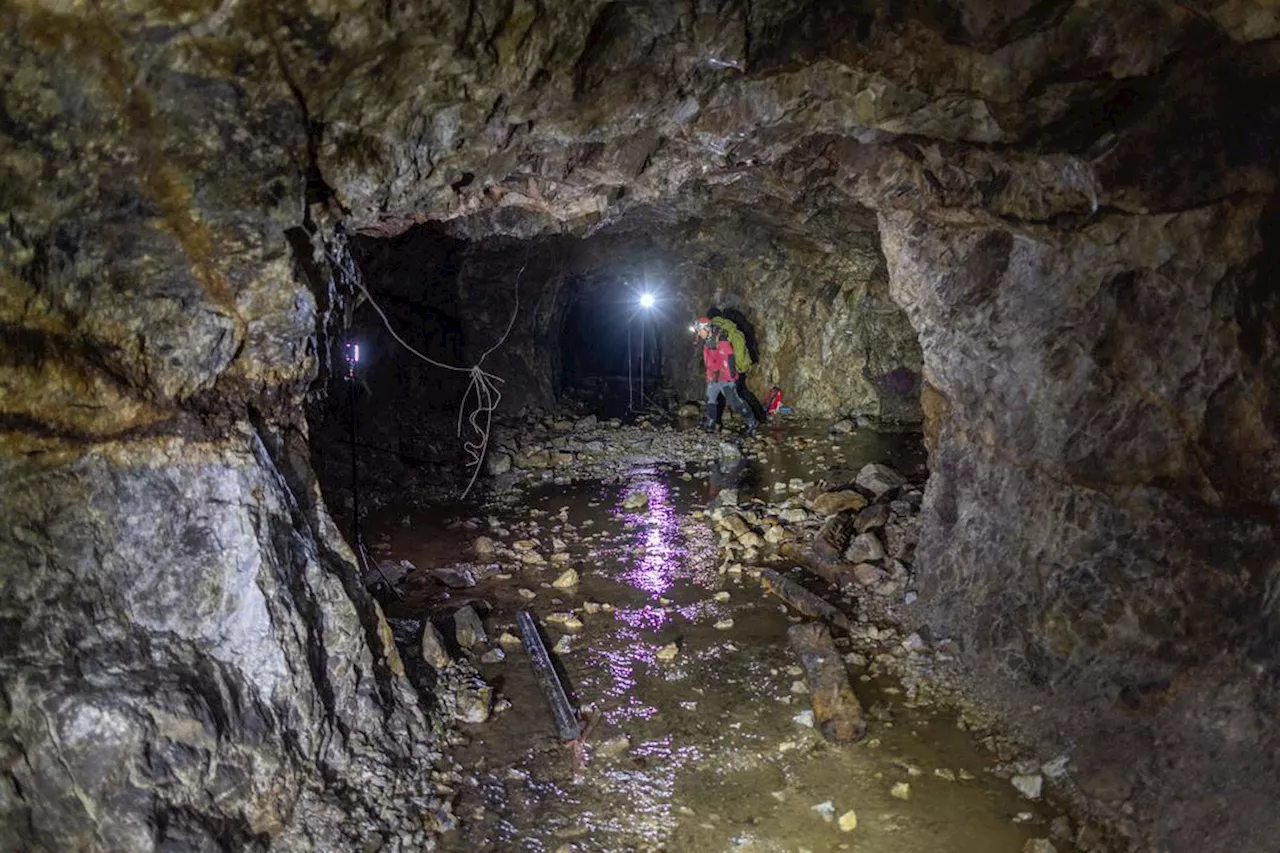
x: 405, y: 409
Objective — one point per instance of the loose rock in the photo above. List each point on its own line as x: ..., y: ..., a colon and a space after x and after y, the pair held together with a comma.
x: 864, y: 548
x: 612, y: 747
x: 1039, y: 845
x: 1029, y: 786
x: 830, y: 503
x: 878, y: 479
x: 434, y: 653
x: 468, y: 630
x: 567, y: 580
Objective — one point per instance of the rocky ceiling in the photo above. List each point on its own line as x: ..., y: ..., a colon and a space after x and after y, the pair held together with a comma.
x: 1076, y: 205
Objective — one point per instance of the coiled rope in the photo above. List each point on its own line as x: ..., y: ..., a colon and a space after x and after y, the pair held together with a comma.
x: 483, y: 384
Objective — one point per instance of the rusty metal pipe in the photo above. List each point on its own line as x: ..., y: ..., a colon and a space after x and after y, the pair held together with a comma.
x: 801, y: 599
x: 837, y: 712
x: 567, y: 720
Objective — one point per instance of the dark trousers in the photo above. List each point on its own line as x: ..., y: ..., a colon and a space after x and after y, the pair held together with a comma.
x: 730, y: 392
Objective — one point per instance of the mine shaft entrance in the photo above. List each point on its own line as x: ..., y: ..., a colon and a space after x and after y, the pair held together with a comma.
x: 612, y: 347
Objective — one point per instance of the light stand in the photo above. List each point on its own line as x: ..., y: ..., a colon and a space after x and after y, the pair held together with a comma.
x: 643, y: 318
x: 647, y: 302
x: 357, y: 530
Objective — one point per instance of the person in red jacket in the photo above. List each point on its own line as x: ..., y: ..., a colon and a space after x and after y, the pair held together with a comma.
x: 722, y: 376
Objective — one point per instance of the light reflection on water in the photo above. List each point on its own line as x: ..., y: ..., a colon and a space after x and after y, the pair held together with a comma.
x: 658, y: 533
x: 616, y: 673
x: 648, y: 794
x: 665, y: 550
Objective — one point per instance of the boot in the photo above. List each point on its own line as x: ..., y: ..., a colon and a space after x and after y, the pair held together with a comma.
x: 752, y: 425
x: 709, y: 422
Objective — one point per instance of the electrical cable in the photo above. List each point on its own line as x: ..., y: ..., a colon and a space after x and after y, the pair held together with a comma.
x: 482, y: 382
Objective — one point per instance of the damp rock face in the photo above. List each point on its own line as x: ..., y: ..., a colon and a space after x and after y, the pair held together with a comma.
x: 1053, y: 225
x: 189, y: 661
x: 182, y: 641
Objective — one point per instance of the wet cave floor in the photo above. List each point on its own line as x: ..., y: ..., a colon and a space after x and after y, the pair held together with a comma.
x: 711, y: 750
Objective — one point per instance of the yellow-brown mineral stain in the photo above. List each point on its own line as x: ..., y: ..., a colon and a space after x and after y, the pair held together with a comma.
x: 92, y: 41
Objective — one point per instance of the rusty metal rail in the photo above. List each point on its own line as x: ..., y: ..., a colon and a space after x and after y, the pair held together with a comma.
x: 568, y: 722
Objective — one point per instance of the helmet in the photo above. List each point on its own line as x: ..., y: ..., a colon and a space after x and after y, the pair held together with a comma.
x: 703, y: 322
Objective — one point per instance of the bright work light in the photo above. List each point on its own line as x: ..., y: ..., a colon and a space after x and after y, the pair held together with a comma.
x: 646, y: 300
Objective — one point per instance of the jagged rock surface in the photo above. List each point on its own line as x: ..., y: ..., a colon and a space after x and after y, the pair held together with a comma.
x: 1076, y: 206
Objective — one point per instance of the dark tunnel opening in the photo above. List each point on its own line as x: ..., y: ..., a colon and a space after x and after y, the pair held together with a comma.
x: 612, y: 348
x: 602, y: 326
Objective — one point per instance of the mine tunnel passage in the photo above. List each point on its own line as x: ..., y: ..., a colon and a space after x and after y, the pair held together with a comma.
x: 1032, y: 243
x: 612, y: 344
x: 811, y: 303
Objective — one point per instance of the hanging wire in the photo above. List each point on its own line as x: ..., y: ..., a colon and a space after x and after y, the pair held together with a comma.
x: 483, y: 383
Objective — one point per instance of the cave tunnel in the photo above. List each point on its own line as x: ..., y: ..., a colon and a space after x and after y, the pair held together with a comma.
x: 612, y: 345
x: 999, y: 572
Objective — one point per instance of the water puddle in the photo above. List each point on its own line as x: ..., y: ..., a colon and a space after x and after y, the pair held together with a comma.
x: 707, y: 750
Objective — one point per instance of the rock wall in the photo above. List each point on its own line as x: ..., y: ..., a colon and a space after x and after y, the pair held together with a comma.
x: 1088, y: 526
x: 184, y: 664
x: 188, y: 661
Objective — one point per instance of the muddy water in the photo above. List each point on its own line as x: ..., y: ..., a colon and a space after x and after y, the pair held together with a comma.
x: 708, y: 751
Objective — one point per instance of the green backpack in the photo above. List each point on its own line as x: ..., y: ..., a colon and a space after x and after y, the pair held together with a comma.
x: 741, y: 355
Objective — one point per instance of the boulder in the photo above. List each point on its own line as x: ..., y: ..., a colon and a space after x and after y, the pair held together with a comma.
x: 1029, y: 785
x: 864, y: 548
x: 468, y: 630
x: 434, y: 653
x: 794, y: 515
x: 873, y: 517
x: 568, y: 579
x: 735, y: 524
x: 497, y: 463
x: 879, y: 479
x: 455, y: 577
x: 727, y: 497
x: 867, y: 574
x: 534, y: 460
x: 474, y: 703
x: 830, y: 503
x: 901, y: 536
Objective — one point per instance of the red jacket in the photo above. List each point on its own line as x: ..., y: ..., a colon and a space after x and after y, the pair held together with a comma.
x: 719, y: 362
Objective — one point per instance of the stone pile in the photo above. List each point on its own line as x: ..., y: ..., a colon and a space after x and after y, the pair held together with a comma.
x: 863, y: 536
x: 440, y: 657
x: 541, y: 447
